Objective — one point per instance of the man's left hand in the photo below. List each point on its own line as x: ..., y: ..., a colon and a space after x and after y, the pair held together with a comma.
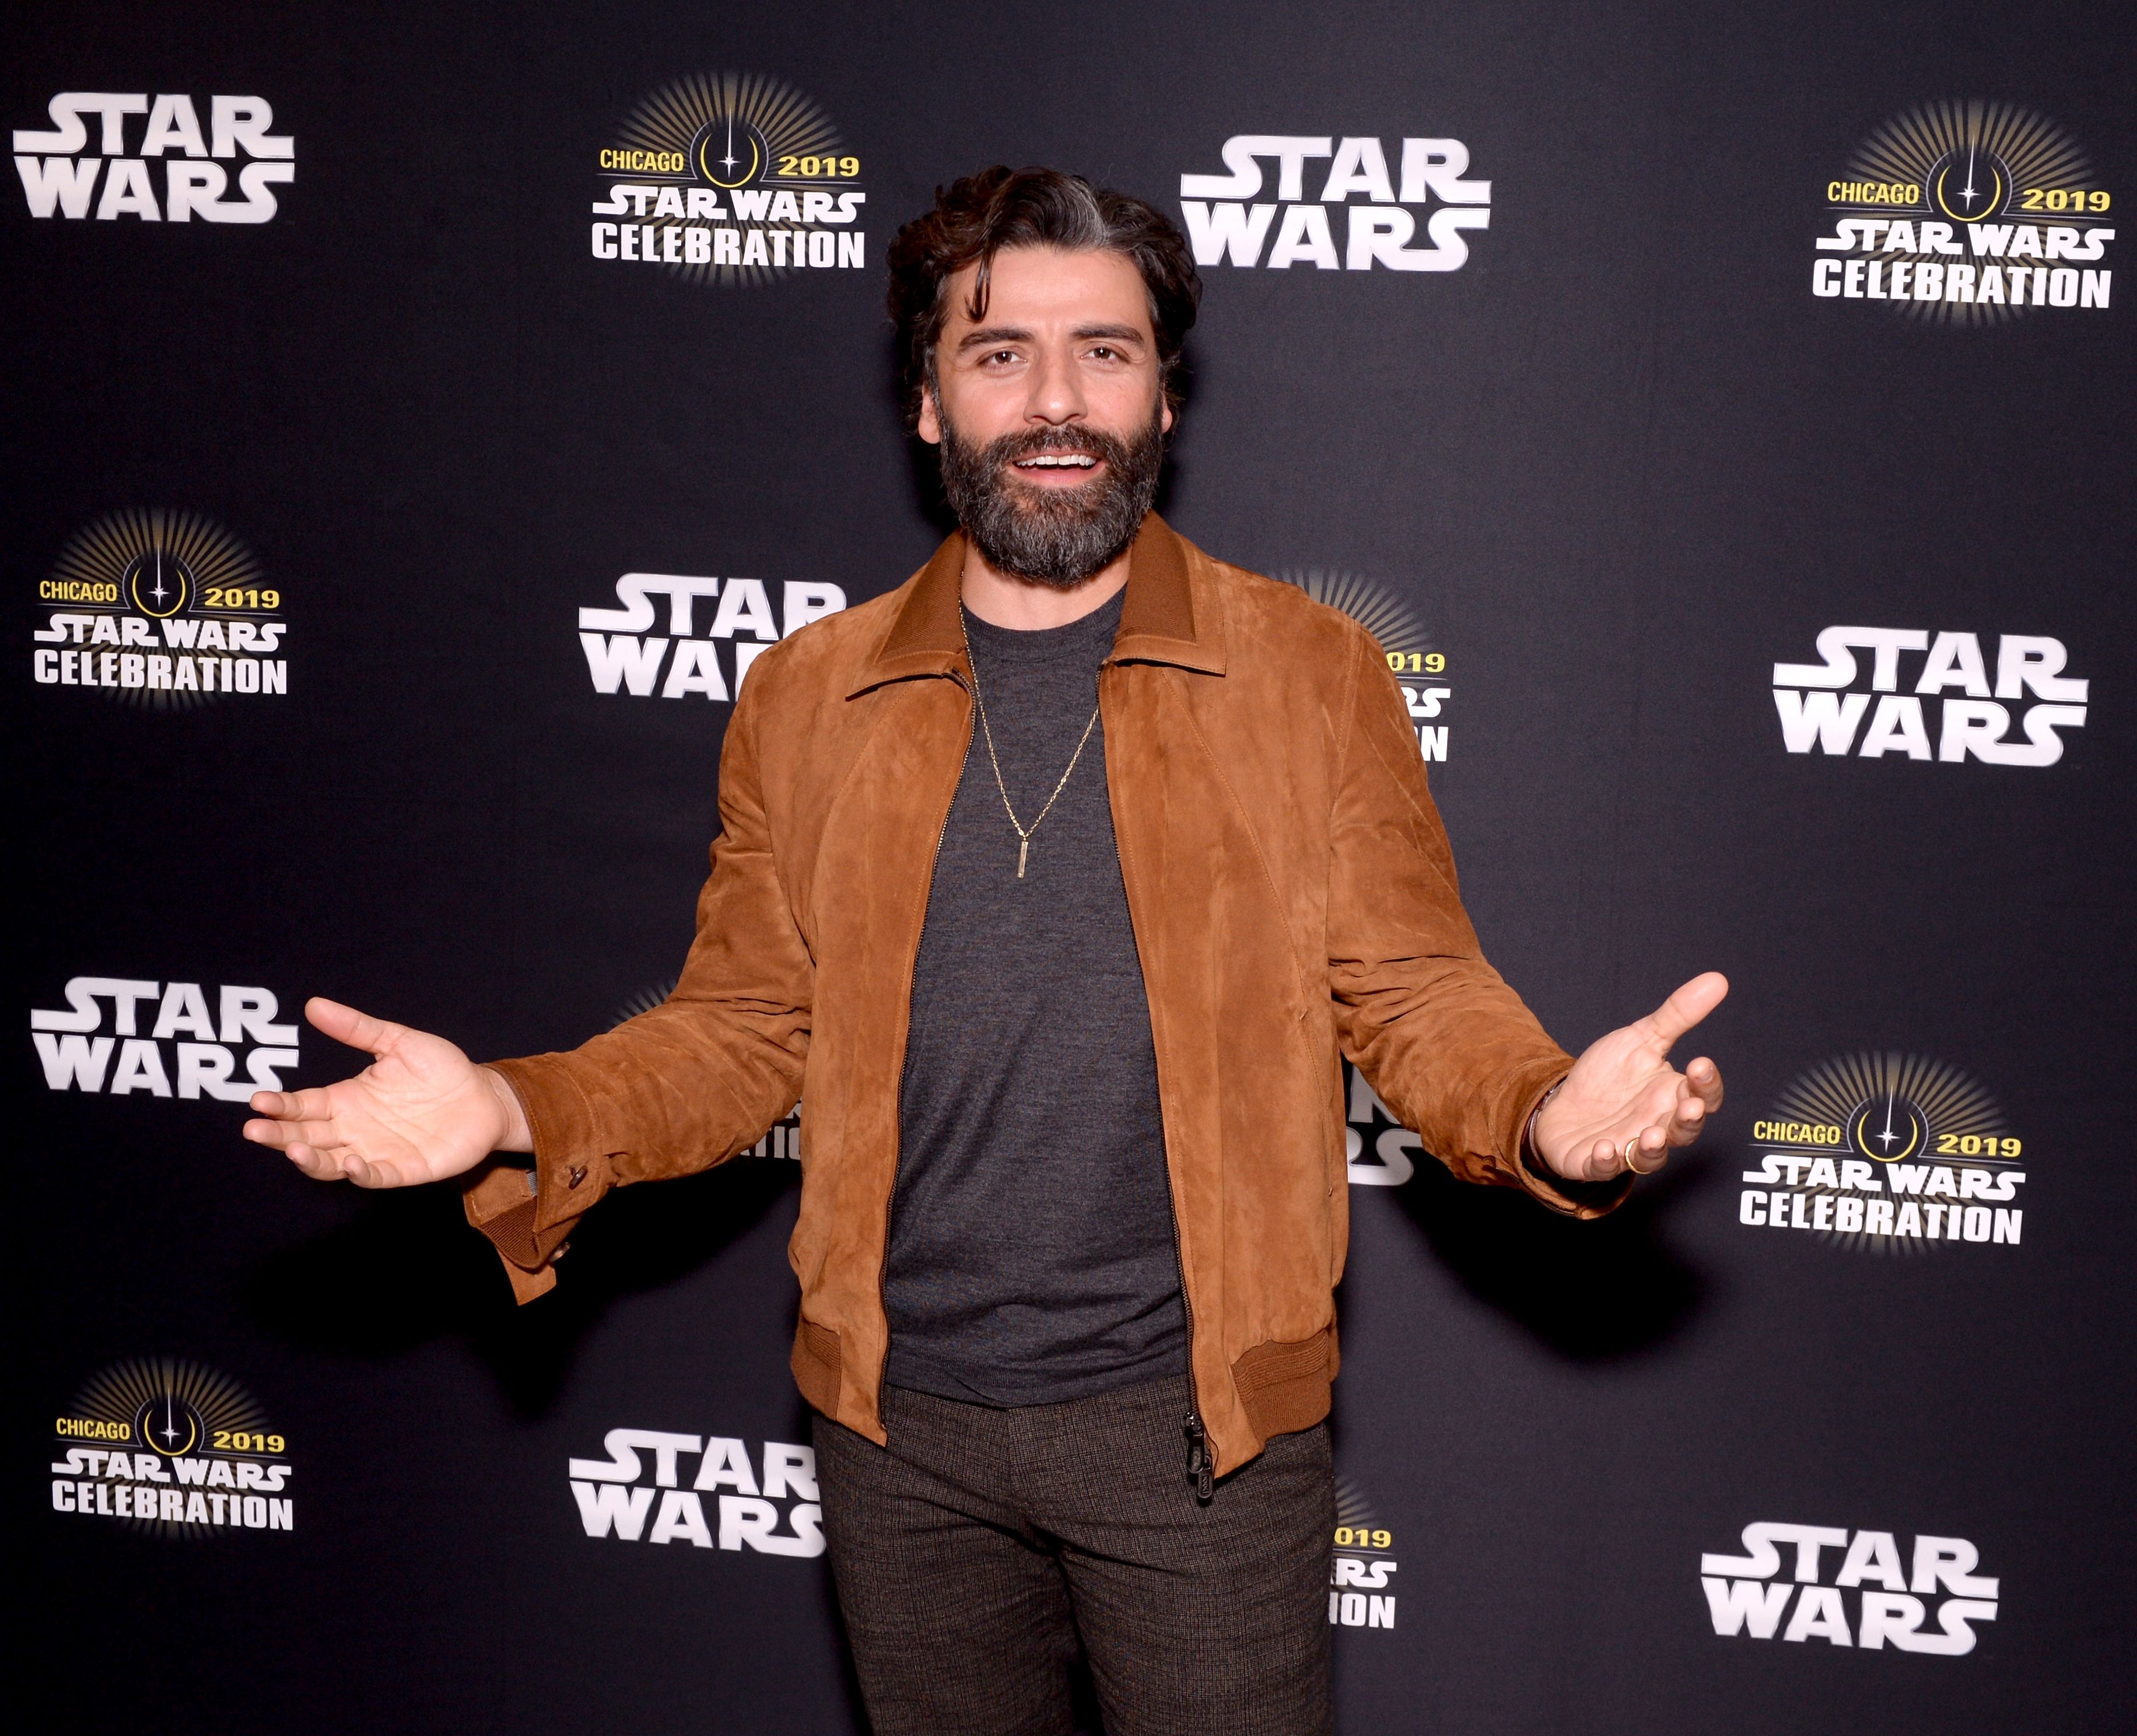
x: 1623, y: 1105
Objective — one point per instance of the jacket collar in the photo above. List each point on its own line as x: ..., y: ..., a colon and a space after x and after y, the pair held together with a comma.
x: 1172, y: 614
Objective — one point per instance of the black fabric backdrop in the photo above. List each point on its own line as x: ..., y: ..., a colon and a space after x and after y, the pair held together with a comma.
x: 1615, y: 467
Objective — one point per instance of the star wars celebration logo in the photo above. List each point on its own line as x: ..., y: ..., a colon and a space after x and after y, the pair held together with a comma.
x: 730, y: 1499
x: 118, y: 1035
x: 782, y: 1140
x: 730, y: 178
x: 1360, y: 1573
x: 1240, y: 216
x: 172, y: 1449
x: 681, y: 648
x: 1888, y: 1154
x: 1420, y: 669
x: 1965, y: 213
x: 61, y: 170
x: 1925, y: 1601
x: 161, y: 609
x: 1942, y: 708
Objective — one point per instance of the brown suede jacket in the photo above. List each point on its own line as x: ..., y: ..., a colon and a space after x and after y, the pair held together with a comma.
x: 1294, y: 899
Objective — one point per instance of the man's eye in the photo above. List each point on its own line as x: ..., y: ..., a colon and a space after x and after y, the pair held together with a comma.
x: 1104, y: 354
x: 1003, y: 355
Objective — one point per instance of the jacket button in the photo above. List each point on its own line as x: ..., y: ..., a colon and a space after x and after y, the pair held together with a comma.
x: 561, y: 1249
x: 577, y: 1174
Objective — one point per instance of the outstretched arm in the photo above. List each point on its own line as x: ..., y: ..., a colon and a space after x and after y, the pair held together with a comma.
x: 678, y: 1089
x: 1448, y: 1045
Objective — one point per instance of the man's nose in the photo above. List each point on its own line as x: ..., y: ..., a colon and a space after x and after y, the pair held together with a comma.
x: 1057, y: 394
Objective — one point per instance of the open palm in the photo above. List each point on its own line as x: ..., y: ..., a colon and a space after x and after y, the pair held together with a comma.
x: 420, y: 1112
x: 1624, y: 1106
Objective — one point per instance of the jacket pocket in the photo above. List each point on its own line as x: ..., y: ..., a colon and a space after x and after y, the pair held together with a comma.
x: 1283, y: 1386
x: 815, y: 1365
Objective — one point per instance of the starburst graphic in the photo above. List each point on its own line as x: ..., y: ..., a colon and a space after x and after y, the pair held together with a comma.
x: 644, y: 999
x: 1841, y: 1090
x: 1352, y: 1506
x: 1969, y: 158
x: 1371, y: 604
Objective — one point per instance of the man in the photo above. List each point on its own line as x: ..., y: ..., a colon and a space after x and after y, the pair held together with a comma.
x: 1064, y: 874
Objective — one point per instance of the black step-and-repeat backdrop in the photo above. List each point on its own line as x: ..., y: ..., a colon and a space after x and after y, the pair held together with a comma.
x: 422, y: 415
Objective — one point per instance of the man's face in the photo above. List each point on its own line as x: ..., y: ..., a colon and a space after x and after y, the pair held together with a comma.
x: 1049, y: 411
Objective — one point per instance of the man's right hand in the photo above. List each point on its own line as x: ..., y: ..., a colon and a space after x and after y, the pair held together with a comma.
x: 420, y: 1112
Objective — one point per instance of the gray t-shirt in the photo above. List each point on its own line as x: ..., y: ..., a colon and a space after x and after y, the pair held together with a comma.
x: 1031, y: 1255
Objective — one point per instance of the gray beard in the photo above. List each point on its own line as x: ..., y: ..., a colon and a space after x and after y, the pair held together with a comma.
x: 1057, y: 537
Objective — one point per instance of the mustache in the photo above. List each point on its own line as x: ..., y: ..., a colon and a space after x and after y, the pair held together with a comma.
x: 1006, y: 448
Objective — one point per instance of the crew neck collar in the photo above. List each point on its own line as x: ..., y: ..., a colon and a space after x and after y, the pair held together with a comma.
x: 1092, y: 633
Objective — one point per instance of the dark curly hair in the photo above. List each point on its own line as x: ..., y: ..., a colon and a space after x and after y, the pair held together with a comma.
x: 975, y: 218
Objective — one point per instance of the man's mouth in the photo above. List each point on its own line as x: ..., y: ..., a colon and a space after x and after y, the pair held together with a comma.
x: 1057, y: 461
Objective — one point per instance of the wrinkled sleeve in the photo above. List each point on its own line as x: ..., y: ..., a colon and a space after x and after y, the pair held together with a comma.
x: 690, y: 1082
x: 1451, y: 1048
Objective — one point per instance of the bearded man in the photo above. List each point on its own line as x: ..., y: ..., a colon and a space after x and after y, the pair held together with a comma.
x: 1064, y: 876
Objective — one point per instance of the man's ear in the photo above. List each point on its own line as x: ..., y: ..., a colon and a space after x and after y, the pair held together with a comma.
x: 928, y: 425
x: 1164, y: 413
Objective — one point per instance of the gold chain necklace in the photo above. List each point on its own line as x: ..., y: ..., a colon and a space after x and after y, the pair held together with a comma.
x: 1023, y: 833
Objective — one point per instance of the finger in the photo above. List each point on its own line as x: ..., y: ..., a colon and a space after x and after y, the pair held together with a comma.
x: 1704, y: 1078
x: 373, y: 1171
x: 319, y: 1166
x: 1606, y: 1160
x: 314, y: 1135
x: 1652, y: 1149
x: 308, y: 1106
x: 1686, y: 1007
x: 358, y: 1030
x: 1684, y: 1122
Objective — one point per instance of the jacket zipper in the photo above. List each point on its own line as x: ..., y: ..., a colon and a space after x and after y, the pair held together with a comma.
x: 1201, y: 1466
x: 898, y: 1161
x: 1202, y: 1470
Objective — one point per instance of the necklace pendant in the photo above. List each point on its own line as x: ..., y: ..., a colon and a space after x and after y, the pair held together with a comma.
x: 1022, y: 848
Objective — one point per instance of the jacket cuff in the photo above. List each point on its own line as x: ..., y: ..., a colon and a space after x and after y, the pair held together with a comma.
x: 528, y: 1214
x: 1575, y: 1199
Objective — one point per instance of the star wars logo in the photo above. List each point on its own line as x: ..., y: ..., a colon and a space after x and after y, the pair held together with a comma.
x: 60, y: 177
x: 1393, y: 1146
x: 1228, y: 217
x: 1967, y: 213
x: 730, y: 178
x: 1887, y: 1152
x: 1820, y: 713
x: 636, y: 650
x: 1745, y: 1599
x: 731, y: 1503
x: 107, y: 1039
x: 172, y: 1448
